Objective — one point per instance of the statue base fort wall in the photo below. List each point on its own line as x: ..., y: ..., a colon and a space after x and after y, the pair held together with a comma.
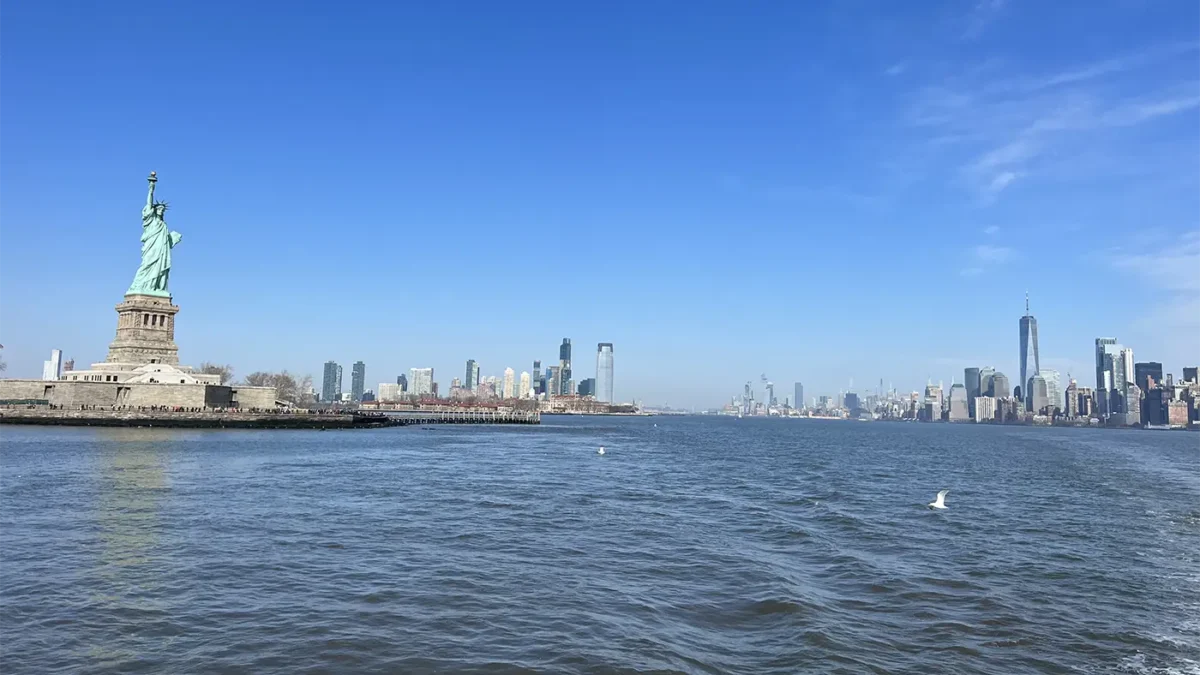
x: 142, y: 370
x: 70, y: 394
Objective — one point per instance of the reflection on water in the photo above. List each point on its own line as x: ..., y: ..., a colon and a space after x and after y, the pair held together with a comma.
x: 132, y: 485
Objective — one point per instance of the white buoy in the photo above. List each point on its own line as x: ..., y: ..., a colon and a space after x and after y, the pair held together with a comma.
x: 600, y: 451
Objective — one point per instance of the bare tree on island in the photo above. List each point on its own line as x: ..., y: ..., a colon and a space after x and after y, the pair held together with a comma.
x: 287, y: 386
x: 225, y: 371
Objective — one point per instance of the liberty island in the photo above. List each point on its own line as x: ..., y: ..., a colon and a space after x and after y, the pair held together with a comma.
x: 142, y: 383
x: 142, y: 369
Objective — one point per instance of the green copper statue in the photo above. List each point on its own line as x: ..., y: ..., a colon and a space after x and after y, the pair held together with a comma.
x: 157, y: 242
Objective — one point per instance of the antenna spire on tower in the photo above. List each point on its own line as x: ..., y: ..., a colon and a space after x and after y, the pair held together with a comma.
x: 1026, y: 303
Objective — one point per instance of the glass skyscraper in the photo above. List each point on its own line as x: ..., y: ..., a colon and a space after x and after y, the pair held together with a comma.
x: 564, y: 369
x: 1000, y: 388
x: 799, y: 402
x: 1029, y: 349
x: 331, y: 382
x: 1054, y: 391
x: 971, y: 381
x: 1147, y: 374
x: 472, y: 378
x: 604, y: 372
x: 358, y: 381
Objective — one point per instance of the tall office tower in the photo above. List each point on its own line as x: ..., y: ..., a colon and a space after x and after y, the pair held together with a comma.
x: 420, y: 381
x: 1000, y: 387
x: 1038, y: 397
x: 1106, y: 349
x: 564, y: 368
x: 1029, y: 347
x: 852, y: 402
x: 1147, y: 374
x: 1118, y: 374
x: 555, y: 381
x: 604, y: 372
x: 1053, y: 388
x: 987, y: 377
x: 960, y: 406
x: 1126, y: 366
x: 1071, y: 400
x: 971, y: 381
x: 525, y: 388
x: 1154, y: 407
x: 402, y: 380
x: 799, y: 400
x: 1086, y: 402
x: 1189, y: 374
x: 472, y: 379
x: 52, y: 369
x: 358, y: 381
x: 933, y: 402
x: 770, y: 394
x: 1133, y: 404
x: 331, y: 382
x: 537, y: 377
x: 509, y: 383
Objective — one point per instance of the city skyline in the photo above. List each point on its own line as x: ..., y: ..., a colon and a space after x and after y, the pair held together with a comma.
x: 991, y: 144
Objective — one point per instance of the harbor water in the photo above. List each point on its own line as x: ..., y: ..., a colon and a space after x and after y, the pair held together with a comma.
x: 693, y: 544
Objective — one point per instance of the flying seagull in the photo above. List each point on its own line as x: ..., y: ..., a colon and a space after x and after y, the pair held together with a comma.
x: 940, y: 502
x: 600, y: 451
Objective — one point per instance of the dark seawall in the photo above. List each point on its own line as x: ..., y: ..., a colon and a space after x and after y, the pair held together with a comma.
x: 201, y: 420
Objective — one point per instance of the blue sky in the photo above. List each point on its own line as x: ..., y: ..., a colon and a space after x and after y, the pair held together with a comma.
x: 815, y: 191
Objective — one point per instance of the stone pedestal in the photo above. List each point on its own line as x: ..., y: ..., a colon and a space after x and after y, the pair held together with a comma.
x: 145, y: 331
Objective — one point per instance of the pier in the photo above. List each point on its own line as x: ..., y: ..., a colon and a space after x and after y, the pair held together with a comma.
x: 462, y: 416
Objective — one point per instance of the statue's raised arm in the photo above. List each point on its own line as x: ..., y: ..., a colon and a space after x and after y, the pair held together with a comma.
x: 150, y: 195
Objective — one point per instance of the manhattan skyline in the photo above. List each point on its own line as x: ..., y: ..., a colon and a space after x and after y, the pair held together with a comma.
x: 818, y: 193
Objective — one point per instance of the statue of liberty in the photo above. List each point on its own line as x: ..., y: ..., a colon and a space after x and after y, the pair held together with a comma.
x: 157, y: 242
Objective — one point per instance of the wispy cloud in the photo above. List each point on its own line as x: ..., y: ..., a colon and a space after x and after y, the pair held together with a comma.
x: 999, y: 182
x: 993, y: 254
x: 1010, y: 126
x: 990, y: 230
x: 984, y: 256
x: 1174, y: 267
x: 1173, y: 270
x: 896, y: 69
x: 984, y: 13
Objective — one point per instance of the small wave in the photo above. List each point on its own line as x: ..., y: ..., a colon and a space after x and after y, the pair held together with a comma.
x: 1136, y: 663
